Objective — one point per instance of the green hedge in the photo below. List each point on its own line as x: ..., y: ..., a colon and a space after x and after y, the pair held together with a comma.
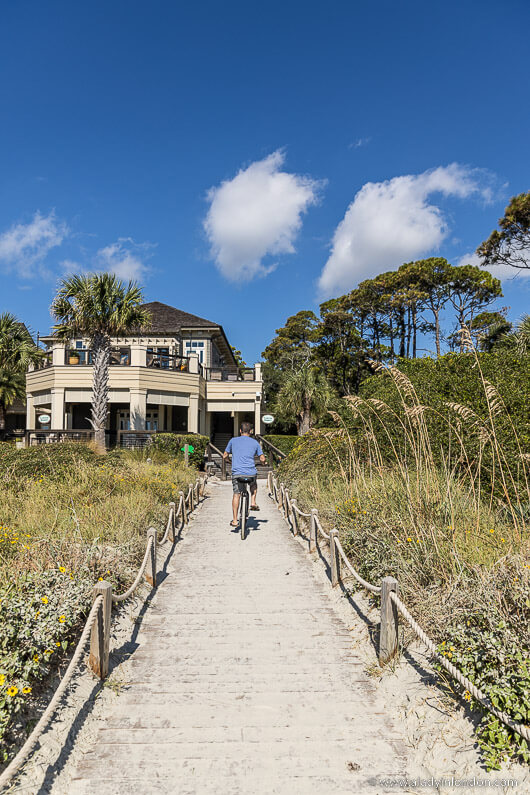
x: 173, y: 442
x: 283, y: 443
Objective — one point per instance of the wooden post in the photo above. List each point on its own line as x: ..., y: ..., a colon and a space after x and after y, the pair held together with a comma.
x: 186, y: 454
x: 184, y: 511
x: 389, y: 630
x: 190, y: 492
x: 281, y: 496
x: 223, y: 468
x: 295, y: 517
x: 100, y: 636
x: 313, y: 530
x: 172, y: 514
x: 150, y: 571
x: 334, y: 557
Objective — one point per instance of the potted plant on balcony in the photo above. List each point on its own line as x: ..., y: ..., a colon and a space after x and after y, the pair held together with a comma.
x: 73, y: 357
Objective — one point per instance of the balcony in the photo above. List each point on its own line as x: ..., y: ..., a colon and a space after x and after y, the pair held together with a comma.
x: 230, y: 373
x: 165, y: 361
x: 81, y: 357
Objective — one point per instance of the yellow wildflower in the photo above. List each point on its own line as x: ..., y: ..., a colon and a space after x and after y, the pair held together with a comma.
x: 467, y: 695
x: 26, y: 690
x: 62, y: 569
x: 2, y: 679
x: 36, y: 658
x: 62, y: 619
x: 12, y: 691
x: 44, y: 600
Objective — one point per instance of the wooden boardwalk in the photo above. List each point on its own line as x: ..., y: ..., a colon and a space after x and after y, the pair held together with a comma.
x: 244, y: 679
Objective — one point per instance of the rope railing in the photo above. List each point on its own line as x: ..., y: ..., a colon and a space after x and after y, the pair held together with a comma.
x: 391, y: 604
x: 478, y: 695
x: 97, y: 625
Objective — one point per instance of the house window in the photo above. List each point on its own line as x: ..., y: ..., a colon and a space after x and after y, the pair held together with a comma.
x: 195, y: 347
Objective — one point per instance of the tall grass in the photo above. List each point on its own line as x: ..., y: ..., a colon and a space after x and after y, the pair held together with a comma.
x: 449, y: 520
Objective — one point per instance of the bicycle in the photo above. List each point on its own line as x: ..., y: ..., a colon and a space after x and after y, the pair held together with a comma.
x: 243, y: 483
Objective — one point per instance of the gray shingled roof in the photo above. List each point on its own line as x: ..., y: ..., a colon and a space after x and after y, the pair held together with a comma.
x: 167, y: 320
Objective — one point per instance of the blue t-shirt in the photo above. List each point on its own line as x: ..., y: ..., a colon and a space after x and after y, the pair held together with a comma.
x: 243, y: 449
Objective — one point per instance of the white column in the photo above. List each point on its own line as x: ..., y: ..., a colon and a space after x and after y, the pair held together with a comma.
x: 257, y: 371
x: 194, y: 363
x: 57, y: 418
x: 257, y: 416
x: 236, y: 423
x: 138, y: 408
x: 138, y: 355
x: 161, y: 418
x: 193, y: 414
x: 58, y: 354
x: 30, y: 413
x: 207, y: 422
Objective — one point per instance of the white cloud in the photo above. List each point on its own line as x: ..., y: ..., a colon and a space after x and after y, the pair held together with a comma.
x: 24, y: 247
x: 503, y: 272
x: 255, y: 214
x: 125, y: 259
x: 360, y: 142
x: 391, y: 222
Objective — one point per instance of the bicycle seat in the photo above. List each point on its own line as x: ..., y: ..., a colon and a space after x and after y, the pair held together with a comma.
x: 245, y: 478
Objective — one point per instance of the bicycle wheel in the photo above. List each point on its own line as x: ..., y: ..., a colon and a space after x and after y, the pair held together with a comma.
x: 244, y: 514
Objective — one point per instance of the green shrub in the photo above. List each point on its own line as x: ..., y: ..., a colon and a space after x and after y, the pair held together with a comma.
x: 174, y: 442
x: 283, y: 443
x: 50, y: 460
x: 38, y: 620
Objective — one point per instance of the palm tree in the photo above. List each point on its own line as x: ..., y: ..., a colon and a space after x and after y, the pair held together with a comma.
x: 98, y: 306
x: 522, y: 335
x: 306, y: 394
x: 17, y: 352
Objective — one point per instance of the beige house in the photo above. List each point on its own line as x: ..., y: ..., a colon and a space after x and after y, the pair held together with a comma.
x: 180, y: 376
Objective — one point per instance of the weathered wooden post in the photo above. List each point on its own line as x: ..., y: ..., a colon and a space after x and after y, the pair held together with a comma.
x: 186, y: 454
x: 190, y: 492
x: 313, y: 530
x: 282, y: 496
x: 150, y: 571
x: 184, y: 511
x: 223, y: 468
x: 294, y: 505
x: 100, y: 635
x: 389, y: 630
x: 172, y: 509
x: 334, y: 557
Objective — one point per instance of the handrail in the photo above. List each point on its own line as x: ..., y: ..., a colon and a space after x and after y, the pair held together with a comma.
x: 270, y: 445
x: 391, y: 604
x: 97, y: 626
x: 212, y: 448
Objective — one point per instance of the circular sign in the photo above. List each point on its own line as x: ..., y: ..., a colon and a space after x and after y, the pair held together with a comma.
x: 268, y: 419
x: 44, y: 418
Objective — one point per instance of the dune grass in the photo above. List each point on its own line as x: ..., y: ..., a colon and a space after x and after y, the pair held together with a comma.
x: 68, y: 517
x: 450, y: 524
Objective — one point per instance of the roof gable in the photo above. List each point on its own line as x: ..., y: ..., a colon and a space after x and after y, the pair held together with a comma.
x: 166, y: 319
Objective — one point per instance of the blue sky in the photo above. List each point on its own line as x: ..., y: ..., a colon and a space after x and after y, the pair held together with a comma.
x: 246, y: 160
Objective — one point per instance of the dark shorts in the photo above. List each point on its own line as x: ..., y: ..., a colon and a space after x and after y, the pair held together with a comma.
x: 238, y: 487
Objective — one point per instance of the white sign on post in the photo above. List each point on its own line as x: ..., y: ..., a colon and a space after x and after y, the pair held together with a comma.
x: 44, y: 418
x: 268, y: 419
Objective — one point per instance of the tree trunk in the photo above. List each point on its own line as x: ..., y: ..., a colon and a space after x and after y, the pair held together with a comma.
x: 392, y: 353
x: 436, y: 313
x: 2, y: 417
x: 100, y: 387
x: 408, y: 332
x: 305, y: 425
x: 414, y: 330
x: 402, y: 333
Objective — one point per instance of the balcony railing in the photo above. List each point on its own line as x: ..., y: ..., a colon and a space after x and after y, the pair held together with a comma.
x: 165, y: 361
x: 120, y: 357
x: 229, y: 373
x: 45, y: 362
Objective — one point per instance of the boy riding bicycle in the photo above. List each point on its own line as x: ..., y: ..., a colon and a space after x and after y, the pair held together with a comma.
x: 243, y: 449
